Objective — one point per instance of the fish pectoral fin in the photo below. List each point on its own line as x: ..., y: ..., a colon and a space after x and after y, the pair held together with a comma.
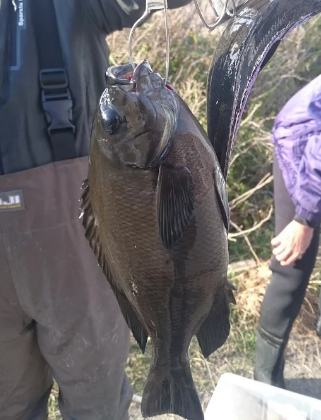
x: 222, y: 196
x: 175, y: 202
x: 92, y: 234
x: 216, y: 328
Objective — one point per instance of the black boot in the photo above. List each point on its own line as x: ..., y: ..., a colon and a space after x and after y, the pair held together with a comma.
x: 269, y: 363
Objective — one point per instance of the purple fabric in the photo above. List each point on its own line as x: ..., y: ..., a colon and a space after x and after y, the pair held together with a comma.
x: 296, y: 136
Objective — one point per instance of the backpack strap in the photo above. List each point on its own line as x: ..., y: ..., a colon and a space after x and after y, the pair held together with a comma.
x: 55, y: 95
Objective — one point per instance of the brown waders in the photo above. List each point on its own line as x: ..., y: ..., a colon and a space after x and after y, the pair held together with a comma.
x: 58, y: 316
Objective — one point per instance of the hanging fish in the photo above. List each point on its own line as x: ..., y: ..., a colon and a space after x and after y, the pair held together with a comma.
x: 156, y: 215
x: 155, y: 205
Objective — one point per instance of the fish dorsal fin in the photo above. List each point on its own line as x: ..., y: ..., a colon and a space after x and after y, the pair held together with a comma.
x: 221, y: 192
x: 92, y: 234
x: 175, y: 202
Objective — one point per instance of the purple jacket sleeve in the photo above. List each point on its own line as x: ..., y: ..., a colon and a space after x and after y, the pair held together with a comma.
x: 307, y: 193
x: 297, y: 140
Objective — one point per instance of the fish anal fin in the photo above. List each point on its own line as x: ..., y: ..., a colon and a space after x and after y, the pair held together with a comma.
x: 138, y: 330
x: 175, y: 202
x: 92, y: 234
x: 216, y: 328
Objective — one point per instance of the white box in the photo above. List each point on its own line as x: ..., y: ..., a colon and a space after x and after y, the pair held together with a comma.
x: 238, y: 398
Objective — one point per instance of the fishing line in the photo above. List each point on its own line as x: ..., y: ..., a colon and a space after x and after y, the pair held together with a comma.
x: 152, y: 5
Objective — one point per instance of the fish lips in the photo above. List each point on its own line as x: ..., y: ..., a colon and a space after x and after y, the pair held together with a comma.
x: 139, y: 118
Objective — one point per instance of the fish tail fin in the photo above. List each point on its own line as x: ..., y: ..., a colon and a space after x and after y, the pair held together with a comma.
x: 171, y: 391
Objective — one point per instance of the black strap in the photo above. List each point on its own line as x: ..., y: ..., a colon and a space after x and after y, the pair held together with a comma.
x: 55, y: 95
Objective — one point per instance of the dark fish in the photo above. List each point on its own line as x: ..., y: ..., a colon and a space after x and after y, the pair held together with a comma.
x: 156, y: 214
x: 247, y: 44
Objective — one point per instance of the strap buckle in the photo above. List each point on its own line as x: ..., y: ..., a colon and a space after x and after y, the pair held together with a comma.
x: 56, y: 99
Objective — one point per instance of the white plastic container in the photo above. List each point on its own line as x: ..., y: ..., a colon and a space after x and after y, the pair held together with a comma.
x: 238, y: 398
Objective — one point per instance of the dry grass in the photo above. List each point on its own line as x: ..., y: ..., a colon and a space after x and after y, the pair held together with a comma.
x: 252, y: 286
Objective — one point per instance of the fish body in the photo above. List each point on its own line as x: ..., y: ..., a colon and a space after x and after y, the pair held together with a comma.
x: 156, y: 215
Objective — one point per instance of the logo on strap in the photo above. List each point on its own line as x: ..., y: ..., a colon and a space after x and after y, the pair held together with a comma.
x: 11, y: 201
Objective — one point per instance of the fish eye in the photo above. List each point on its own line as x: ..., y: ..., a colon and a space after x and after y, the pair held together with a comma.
x: 110, y: 119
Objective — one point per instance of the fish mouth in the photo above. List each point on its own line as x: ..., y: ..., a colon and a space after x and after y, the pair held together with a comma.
x: 120, y: 76
x: 126, y: 78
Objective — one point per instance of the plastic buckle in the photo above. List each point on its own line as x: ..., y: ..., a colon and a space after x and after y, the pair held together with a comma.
x: 53, y: 79
x: 56, y: 99
x: 59, y: 114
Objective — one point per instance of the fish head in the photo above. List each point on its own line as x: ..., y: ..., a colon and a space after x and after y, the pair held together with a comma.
x: 136, y: 117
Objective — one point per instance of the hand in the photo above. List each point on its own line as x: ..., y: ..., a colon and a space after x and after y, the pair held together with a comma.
x: 292, y: 242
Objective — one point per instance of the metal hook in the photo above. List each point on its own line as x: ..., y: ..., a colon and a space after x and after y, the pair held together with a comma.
x: 226, y: 11
x: 152, y: 5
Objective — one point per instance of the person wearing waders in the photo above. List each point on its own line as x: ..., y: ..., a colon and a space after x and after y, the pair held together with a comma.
x: 58, y: 316
x: 297, y: 194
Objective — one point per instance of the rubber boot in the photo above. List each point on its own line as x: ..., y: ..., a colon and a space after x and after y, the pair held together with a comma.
x: 269, y: 363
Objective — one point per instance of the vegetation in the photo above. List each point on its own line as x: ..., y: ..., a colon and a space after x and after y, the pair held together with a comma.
x: 250, y: 181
